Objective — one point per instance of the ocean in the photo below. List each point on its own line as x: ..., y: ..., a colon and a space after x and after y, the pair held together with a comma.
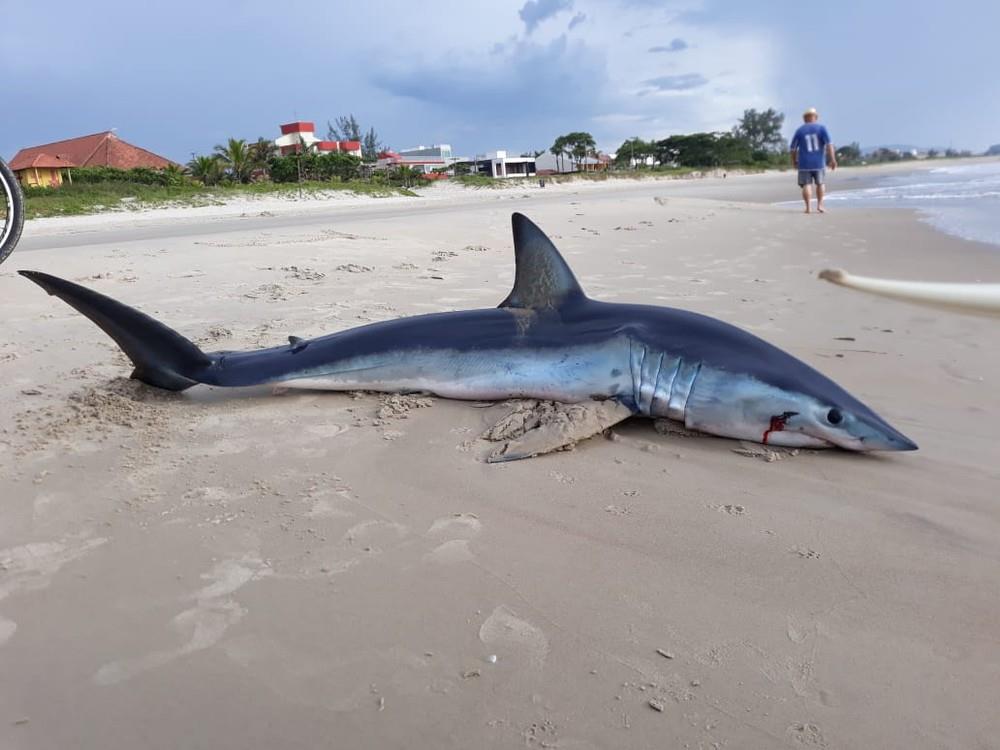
x: 962, y: 200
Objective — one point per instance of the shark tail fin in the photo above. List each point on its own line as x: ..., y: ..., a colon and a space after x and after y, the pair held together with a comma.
x: 162, y: 357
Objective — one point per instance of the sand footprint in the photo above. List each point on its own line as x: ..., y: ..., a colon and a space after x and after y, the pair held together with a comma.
x: 7, y: 628
x: 204, y: 624
x: 31, y: 566
x: 808, y: 735
x: 503, y: 630
x: 454, y: 550
x: 375, y: 534
x: 459, y: 523
x: 323, y: 508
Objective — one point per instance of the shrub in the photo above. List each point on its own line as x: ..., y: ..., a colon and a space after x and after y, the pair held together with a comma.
x: 138, y: 175
x: 315, y: 167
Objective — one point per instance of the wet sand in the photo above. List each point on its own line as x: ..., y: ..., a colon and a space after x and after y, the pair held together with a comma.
x: 232, y: 569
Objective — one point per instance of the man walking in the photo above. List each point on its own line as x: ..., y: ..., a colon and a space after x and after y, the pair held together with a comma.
x: 811, y: 151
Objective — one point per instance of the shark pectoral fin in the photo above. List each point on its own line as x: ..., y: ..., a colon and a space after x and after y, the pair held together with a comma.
x: 557, y: 426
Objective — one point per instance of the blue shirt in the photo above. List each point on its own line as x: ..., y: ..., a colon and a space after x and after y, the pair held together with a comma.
x: 811, y: 140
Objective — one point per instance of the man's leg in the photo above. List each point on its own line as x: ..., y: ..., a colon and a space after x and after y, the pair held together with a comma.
x: 805, y: 184
x: 820, y: 177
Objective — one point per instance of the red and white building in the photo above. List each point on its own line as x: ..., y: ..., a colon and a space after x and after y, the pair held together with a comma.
x: 301, y: 136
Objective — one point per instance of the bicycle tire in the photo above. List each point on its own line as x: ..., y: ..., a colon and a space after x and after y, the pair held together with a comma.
x: 10, y: 193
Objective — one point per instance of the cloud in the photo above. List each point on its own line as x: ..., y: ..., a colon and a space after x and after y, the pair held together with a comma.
x: 683, y: 82
x: 460, y: 90
x: 576, y: 21
x: 534, y: 12
x: 676, y: 45
x: 516, y: 78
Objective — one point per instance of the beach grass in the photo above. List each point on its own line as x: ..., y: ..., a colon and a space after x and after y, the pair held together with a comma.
x: 482, y: 181
x: 98, y: 197
x: 108, y: 196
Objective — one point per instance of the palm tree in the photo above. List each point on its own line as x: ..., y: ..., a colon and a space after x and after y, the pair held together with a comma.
x: 557, y: 150
x: 261, y: 154
x: 207, y: 169
x: 407, y: 175
x: 236, y: 156
x: 174, y: 174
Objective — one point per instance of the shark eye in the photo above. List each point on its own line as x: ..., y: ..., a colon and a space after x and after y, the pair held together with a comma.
x: 834, y: 416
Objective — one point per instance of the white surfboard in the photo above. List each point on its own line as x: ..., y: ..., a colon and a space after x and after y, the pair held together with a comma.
x: 973, y: 298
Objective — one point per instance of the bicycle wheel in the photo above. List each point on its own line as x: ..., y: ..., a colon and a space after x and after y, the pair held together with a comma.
x: 11, y: 211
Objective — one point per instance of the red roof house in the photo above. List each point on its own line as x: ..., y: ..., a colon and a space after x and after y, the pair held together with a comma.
x: 44, y: 165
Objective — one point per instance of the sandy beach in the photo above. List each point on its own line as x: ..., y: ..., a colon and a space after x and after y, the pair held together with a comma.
x: 255, y: 569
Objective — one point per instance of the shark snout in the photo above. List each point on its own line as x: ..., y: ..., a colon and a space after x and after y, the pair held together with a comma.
x: 883, y: 437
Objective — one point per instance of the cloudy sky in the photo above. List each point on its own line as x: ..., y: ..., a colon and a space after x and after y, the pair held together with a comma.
x: 500, y: 74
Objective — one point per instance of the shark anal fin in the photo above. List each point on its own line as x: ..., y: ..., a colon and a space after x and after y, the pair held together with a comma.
x: 543, y: 427
x: 297, y: 344
x: 542, y: 278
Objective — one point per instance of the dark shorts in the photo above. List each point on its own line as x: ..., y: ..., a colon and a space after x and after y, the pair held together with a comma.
x: 809, y: 176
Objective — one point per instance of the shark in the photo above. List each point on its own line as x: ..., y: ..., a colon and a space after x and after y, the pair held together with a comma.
x: 547, y: 340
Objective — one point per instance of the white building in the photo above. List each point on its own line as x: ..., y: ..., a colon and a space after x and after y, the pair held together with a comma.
x: 498, y: 164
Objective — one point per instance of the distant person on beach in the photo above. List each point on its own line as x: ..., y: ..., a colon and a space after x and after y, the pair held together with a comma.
x: 812, y: 150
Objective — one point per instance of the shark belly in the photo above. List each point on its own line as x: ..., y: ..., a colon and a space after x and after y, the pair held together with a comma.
x: 570, y: 374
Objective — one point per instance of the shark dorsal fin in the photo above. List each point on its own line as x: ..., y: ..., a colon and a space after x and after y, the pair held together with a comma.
x: 542, y: 279
x: 297, y: 344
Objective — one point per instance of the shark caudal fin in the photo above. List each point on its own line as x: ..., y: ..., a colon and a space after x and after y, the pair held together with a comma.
x: 162, y: 357
x: 542, y: 278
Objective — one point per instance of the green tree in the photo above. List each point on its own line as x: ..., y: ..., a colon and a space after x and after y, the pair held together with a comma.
x: 634, y: 151
x: 404, y: 175
x: 235, y: 155
x: 558, y: 150
x: 207, y: 169
x: 582, y: 145
x: 347, y: 128
x: 703, y: 150
x: 849, y: 154
x: 284, y: 168
x: 371, y: 146
x: 761, y: 130
x: 173, y: 175
x: 336, y: 165
x: 344, y: 128
x: 261, y: 153
x: 884, y: 154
